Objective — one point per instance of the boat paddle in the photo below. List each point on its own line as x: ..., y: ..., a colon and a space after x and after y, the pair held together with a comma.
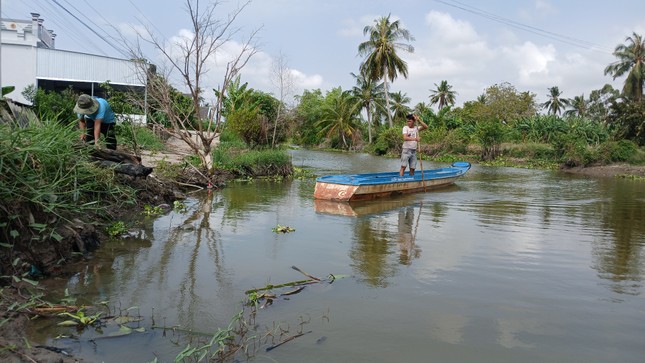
x: 423, y: 179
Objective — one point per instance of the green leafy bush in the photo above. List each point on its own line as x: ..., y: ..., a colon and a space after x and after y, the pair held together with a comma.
x: 138, y: 137
x: 613, y: 151
x: 388, y: 142
x: 531, y: 151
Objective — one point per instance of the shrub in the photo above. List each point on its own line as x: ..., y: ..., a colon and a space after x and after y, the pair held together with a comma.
x: 490, y: 135
x: 531, y: 151
x: 613, y: 151
x: 138, y: 137
x: 388, y: 142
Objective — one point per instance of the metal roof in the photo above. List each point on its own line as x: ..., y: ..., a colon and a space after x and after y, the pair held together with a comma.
x: 63, y: 65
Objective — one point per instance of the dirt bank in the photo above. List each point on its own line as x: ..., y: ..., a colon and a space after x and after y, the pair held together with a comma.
x: 604, y: 171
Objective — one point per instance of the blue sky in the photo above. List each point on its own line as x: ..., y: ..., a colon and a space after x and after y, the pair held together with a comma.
x: 532, y: 44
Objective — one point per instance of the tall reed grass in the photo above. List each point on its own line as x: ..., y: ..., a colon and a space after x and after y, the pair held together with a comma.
x: 46, y: 176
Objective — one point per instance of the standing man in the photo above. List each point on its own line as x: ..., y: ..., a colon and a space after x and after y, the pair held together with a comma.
x: 410, y: 142
x: 96, y: 116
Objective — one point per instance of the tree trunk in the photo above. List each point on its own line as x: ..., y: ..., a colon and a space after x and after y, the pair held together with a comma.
x: 135, y: 170
x: 387, y: 102
x: 120, y: 162
x: 369, y: 122
x: 115, y: 156
x: 275, y: 126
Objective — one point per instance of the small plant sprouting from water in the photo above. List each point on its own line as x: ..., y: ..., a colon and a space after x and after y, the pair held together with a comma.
x: 116, y: 229
x: 152, y: 211
x: 80, y: 319
x: 283, y: 229
x: 179, y: 206
x: 302, y: 173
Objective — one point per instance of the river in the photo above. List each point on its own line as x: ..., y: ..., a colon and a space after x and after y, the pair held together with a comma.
x: 507, y: 265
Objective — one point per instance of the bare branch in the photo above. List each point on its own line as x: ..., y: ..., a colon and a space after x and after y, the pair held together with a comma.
x: 190, y: 55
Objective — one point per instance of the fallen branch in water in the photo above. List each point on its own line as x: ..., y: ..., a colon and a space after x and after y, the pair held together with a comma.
x: 271, y: 287
x: 53, y: 309
x: 287, y: 340
x: 293, y: 292
x: 255, y: 296
x: 304, y: 273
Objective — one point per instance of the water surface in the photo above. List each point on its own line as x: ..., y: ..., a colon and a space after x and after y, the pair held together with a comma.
x: 507, y: 265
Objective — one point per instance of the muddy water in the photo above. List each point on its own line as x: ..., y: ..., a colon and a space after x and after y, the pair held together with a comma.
x: 508, y: 265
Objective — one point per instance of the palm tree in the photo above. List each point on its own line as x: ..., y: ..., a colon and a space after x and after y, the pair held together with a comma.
x: 421, y: 108
x: 369, y: 93
x: 340, y: 117
x: 631, y: 60
x: 382, y: 61
x: 600, y: 102
x: 578, y: 106
x: 400, y: 108
x: 555, y: 104
x: 443, y: 95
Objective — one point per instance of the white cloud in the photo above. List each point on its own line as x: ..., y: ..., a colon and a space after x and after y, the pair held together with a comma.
x: 304, y: 81
x: 446, y: 29
x: 544, y: 7
x: 532, y: 64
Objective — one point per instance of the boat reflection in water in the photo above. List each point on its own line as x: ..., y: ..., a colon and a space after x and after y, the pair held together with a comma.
x: 407, y: 219
x: 361, y: 208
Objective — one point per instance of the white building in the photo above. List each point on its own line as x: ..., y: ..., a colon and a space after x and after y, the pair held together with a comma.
x: 28, y: 56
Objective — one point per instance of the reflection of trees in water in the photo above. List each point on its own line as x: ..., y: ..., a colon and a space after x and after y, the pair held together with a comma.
x: 94, y: 282
x: 501, y: 212
x: 371, y: 250
x: 438, y: 212
x: 620, y: 259
x: 189, y: 301
x: 241, y: 202
x: 378, y: 238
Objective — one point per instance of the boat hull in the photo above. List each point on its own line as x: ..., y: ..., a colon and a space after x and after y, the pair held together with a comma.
x: 345, y: 188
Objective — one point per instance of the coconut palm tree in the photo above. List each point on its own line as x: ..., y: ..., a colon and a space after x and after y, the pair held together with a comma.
x: 340, y: 117
x: 631, y: 60
x: 370, y: 94
x: 600, y: 102
x: 380, y: 51
x: 555, y: 103
x: 578, y: 106
x: 443, y: 95
x: 400, y: 108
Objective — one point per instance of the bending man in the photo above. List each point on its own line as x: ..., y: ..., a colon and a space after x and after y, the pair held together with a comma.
x: 96, y: 116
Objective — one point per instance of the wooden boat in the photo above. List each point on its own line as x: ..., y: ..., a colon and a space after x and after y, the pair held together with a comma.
x: 351, y: 187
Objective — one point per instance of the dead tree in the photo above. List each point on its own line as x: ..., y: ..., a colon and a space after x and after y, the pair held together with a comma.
x: 189, y: 58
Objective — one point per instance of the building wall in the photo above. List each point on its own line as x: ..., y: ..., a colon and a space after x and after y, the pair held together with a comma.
x: 22, y: 63
x: 19, y: 32
x: 18, y: 67
x: 74, y: 66
x: 28, y: 57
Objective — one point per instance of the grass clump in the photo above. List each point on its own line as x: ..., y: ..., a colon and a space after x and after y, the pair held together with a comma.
x: 47, y: 179
x: 233, y: 155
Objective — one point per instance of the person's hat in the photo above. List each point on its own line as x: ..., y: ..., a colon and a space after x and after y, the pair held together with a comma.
x: 86, y: 105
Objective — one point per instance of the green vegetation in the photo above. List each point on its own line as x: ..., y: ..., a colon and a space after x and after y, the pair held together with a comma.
x: 48, y: 180
x: 380, y: 51
x: 116, y: 229
x: 233, y: 155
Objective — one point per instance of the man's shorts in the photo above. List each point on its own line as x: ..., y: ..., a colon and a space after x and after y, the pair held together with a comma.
x: 409, y: 156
